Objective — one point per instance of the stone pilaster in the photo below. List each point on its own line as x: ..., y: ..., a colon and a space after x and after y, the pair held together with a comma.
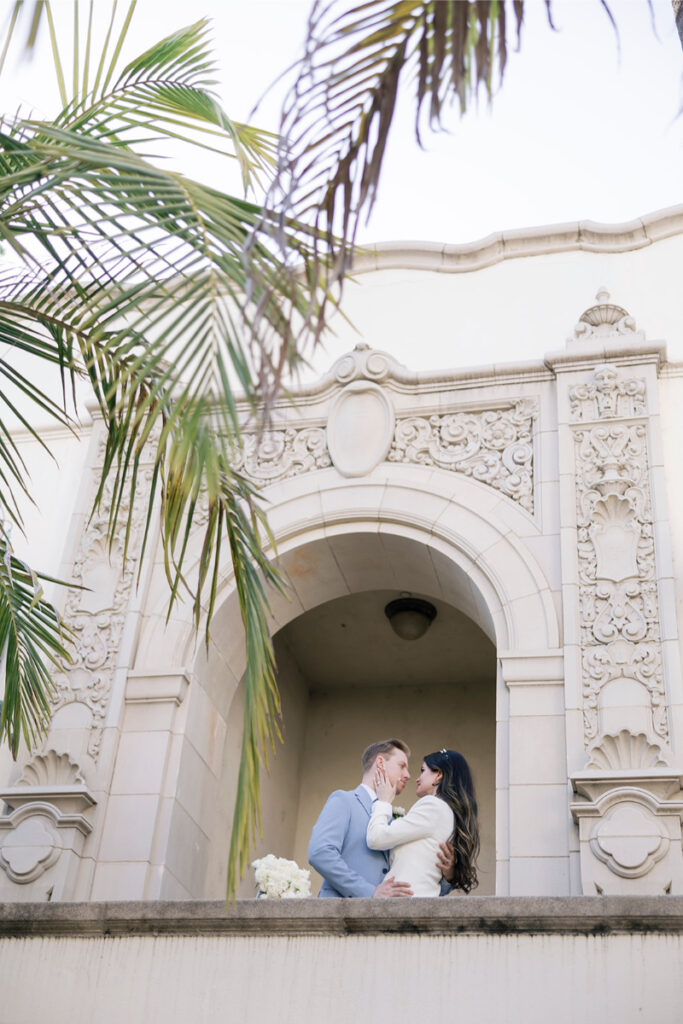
x: 615, y: 564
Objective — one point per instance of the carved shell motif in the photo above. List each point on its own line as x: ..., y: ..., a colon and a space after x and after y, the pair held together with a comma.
x: 50, y: 769
x: 621, y: 750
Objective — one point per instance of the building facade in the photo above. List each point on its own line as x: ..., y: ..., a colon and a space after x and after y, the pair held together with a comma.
x: 533, y: 503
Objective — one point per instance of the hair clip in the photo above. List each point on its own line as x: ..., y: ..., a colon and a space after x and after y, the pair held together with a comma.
x: 443, y: 751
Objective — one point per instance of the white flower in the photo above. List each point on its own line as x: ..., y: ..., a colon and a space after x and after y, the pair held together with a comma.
x: 398, y: 812
x: 278, y: 878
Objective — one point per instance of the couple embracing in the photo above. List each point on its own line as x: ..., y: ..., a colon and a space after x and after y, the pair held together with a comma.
x: 360, y: 849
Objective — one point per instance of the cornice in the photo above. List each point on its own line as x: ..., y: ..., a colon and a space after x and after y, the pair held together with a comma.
x: 576, y: 236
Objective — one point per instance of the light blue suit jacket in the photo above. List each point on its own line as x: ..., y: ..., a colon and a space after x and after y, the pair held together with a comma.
x: 338, y: 850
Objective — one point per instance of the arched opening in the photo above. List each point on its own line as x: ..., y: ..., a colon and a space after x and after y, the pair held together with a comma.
x: 460, y: 545
x: 346, y: 680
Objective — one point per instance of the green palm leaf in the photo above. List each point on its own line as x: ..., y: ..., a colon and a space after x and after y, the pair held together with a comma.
x: 131, y: 278
x: 338, y: 113
x: 32, y: 636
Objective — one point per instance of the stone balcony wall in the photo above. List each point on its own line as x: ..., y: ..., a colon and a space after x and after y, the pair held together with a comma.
x: 479, y: 960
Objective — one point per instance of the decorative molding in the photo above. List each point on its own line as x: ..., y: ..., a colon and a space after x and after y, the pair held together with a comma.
x: 602, y: 320
x: 607, y: 396
x: 156, y: 687
x: 279, y: 454
x: 529, y: 668
x: 30, y: 837
x: 50, y: 769
x: 495, y: 446
x: 97, y: 612
x: 575, y: 236
x: 619, y: 614
x: 360, y: 428
x: 366, y: 363
x: 54, y: 779
x: 629, y: 839
x: 624, y: 750
x: 29, y: 850
x: 629, y: 830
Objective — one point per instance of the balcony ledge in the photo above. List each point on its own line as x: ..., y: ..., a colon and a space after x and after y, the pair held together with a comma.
x: 482, y: 915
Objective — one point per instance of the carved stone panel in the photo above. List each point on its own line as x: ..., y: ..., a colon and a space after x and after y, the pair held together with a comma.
x: 360, y: 427
x: 29, y: 849
x: 495, y: 446
x: 629, y: 827
x: 624, y: 751
x: 97, y: 612
x: 607, y: 396
x: 623, y: 684
x: 279, y: 454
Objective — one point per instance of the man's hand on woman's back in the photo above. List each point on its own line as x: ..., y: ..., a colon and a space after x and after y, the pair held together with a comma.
x: 390, y: 887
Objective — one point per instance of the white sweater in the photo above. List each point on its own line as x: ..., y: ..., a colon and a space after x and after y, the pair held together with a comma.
x: 413, y: 840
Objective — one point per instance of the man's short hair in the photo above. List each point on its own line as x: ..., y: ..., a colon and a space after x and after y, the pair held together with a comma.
x: 382, y: 747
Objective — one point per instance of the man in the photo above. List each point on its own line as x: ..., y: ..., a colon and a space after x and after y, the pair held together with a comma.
x: 338, y: 850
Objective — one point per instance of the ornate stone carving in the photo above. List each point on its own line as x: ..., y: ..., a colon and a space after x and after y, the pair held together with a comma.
x: 364, y: 362
x: 629, y: 820
x: 629, y: 839
x: 44, y: 824
x: 279, y: 454
x: 624, y: 750
x: 603, y: 319
x: 607, y: 396
x: 620, y: 635
x: 360, y: 427
x: 50, y: 769
x: 29, y: 850
x: 97, y: 613
x: 493, y: 446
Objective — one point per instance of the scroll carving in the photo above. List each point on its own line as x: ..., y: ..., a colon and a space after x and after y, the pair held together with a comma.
x: 97, y: 614
x: 495, y: 446
x: 280, y: 454
x: 603, y: 319
x: 620, y: 636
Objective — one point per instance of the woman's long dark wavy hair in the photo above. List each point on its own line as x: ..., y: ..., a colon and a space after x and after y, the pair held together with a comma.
x: 457, y: 789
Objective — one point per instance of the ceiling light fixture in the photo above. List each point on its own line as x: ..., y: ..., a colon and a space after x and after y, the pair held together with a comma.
x: 410, y: 617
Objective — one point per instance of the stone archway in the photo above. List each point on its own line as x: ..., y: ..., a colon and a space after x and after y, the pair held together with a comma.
x: 453, y: 539
x: 346, y: 679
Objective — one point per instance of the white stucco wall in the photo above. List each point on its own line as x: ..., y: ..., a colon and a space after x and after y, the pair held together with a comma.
x: 439, y: 309
x: 518, y: 979
x: 163, y: 770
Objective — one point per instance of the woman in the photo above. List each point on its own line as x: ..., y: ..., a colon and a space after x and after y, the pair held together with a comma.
x: 446, y: 810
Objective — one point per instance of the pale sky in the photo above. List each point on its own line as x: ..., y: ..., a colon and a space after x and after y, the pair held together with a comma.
x: 584, y: 127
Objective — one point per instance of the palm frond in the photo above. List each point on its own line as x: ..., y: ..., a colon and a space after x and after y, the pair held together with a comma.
x: 131, y: 278
x: 32, y: 636
x: 337, y: 115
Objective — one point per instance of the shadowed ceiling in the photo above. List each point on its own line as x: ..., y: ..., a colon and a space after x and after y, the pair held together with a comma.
x: 349, y: 642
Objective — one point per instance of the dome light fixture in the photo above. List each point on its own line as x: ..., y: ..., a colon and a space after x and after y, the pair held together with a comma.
x: 410, y: 617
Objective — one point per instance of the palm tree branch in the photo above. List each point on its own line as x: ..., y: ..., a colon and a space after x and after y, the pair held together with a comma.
x: 32, y: 635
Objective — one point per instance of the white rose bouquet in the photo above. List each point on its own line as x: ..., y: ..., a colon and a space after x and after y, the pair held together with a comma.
x: 278, y: 878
